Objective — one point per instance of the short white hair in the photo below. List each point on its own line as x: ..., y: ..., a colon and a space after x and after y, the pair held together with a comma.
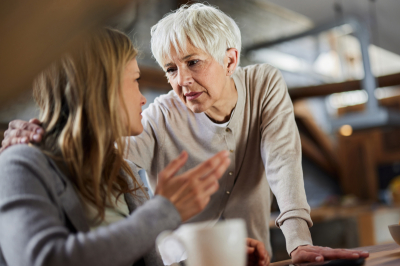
x: 204, y: 26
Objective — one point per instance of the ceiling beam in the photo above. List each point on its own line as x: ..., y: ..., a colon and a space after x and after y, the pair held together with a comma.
x: 327, y: 89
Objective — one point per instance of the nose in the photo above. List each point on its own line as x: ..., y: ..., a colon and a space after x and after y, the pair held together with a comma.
x: 184, y: 77
x: 143, y: 100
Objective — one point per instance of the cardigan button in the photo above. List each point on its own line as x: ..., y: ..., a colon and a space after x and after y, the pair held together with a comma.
x: 228, y: 192
x: 228, y: 129
x: 230, y: 173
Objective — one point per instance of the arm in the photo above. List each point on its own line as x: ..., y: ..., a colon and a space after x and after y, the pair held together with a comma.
x: 31, y: 224
x: 39, y: 233
x: 281, y: 152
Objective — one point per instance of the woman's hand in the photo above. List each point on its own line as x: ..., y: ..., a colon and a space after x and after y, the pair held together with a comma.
x: 318, y: 254
x: 190, y: 192
x: 256, y: 253
x: 22, y: 132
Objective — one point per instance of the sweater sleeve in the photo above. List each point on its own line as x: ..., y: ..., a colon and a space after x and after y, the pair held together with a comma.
x: 281, y: 153
x: 32, y: 231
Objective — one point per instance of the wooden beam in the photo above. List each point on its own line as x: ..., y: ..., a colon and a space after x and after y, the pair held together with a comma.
x: 153, y: 78
x: 326, y: 89
x: 312, y: 151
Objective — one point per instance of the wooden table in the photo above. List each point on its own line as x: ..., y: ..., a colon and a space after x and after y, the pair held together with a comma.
x: 387, y: 255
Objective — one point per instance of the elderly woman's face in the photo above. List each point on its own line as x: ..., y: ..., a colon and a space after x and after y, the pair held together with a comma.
x: 197, y: 78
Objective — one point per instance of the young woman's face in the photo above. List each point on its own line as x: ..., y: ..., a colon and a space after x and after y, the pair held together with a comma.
x: 132, y: 97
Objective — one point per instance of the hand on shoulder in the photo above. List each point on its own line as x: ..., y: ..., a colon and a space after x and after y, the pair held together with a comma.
x: 20, y: 132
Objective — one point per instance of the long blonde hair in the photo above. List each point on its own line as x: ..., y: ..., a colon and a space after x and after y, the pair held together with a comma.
x: 79, y: 98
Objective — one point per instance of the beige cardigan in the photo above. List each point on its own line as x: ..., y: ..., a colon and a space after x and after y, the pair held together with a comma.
x: 265, y: 153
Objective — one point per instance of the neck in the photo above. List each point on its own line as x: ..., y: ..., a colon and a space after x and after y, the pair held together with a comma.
x: 221, y: 111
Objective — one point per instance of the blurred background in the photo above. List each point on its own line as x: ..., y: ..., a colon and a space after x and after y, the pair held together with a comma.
x: 341, y: 62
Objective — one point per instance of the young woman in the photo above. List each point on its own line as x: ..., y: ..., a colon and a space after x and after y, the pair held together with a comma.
x: 73, y: 200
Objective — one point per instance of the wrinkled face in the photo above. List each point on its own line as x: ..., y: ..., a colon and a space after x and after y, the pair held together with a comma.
x: 197, y: 78
x: 132, y: 97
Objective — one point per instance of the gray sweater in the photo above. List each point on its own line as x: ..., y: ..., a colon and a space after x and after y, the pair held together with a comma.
x: 42, y: 221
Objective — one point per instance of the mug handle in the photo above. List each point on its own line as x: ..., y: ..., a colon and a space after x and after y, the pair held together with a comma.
x: 159, y: 242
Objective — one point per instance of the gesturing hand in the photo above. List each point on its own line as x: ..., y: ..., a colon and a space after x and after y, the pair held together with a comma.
x: 190, y: 192
x: 317, y: 254
x: 22, y: 132
x: 256, y: 253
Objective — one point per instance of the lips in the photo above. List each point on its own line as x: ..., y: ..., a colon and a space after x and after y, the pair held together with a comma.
x: 190, y: 96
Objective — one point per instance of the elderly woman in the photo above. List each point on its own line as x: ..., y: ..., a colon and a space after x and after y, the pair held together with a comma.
x: 216, y: 105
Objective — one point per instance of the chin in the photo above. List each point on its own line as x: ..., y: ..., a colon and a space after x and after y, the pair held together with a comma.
x: 197, y: 108
x: 137, y: 131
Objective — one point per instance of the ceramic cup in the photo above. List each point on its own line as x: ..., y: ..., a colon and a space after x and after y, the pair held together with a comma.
x: 395, y: 232
x: 223, y: 244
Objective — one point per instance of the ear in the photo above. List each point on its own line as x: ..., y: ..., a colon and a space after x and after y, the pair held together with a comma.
x: 232, y: 56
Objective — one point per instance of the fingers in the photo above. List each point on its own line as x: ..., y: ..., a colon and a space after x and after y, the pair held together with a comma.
x: 190, y: 192
x: 35, y: 121
x: 12, y: 141
x: 204, y: 186
x: 21, y: 129
x: 210, y: 182
x: 332, y: 254
x: 208, y: 166
x: 256, y: 250
x: 305, y: 256
x: 250, y: 250
x: 33, y: 126
x: 317, y: 254
x: 174, y: 166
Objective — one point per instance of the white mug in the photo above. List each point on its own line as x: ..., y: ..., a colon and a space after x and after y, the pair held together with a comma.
x: 223, y: 244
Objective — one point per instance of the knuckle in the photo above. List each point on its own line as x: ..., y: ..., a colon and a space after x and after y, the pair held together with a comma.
x: 198, y: 201
x: 208, y: 164
x: 196, y: 191
x: 24, y: 126
x: 302, y: 253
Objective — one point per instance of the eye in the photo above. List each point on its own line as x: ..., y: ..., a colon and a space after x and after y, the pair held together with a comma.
x: 170, y: 70
x: 193, y: 62
x: 138, y: 79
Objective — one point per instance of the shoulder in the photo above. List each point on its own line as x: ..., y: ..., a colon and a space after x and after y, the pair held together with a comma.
x: 22, y: 153
x: 165, y: 107
x: 261, y: 71
x: 24, y: 161
x: 262, y: 79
